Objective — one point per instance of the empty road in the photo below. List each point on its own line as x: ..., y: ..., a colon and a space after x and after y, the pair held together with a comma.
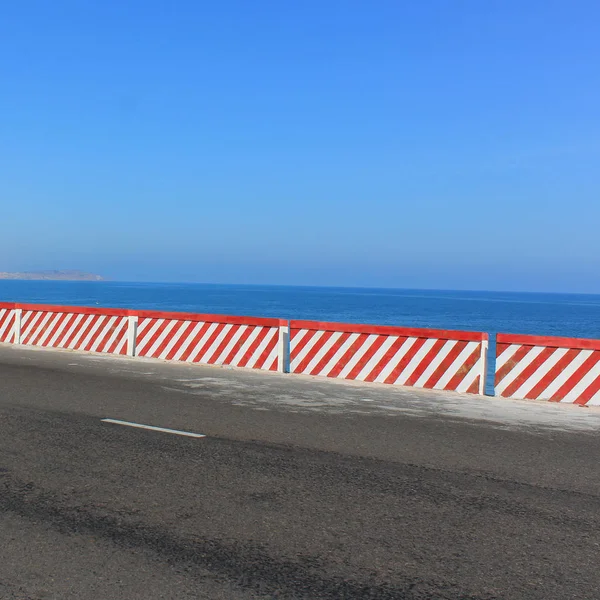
x: 300, y: 489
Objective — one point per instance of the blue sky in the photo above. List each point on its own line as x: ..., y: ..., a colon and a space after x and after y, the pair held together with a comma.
x: 441, y: 144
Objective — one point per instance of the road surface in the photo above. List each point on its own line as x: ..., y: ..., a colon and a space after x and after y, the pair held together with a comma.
x: 301, y: 489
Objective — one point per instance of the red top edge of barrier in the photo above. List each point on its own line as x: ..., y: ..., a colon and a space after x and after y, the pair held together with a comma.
x: 9, y: 305
x: 464, y: 336
x: 549, y: 341
x: 149, y: 314
x: 87, y: 310
x: 181, y: 316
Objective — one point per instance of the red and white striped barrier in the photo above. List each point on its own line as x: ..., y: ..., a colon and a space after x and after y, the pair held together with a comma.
x: 527, y: 367
x: 210, y: 339
x: 548, y: 368
x: 426, y: 358
x: 7, y: 322
x: 74, y: 328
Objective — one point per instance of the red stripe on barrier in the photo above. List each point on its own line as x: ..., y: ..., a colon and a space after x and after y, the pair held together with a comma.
x: 545, y: 381
x: 553, y: 342
x: 386, y: 358
x: 317, y: 344
x: 469, y: 336
x: 78, y: 327
x: 118, y: 340
x: 190, y: 350
x: 425, y: 362
x: 366, y: 357
x: 474, y: 389
x: 106, y: 333
x: 37, y: 326
x: 102, y: 325
x: 262, y: 359
x: 67, y: 323
x: 85, y: 330
x: 589, y: 363
x: 510, y: 364
x: 589, y: 392
x: 150, y: 334
x: 86, y: 344
x: 224, y: 342
x: 274, y: 364
x: 182, y: 331
x: 253, y: 347
x: 88, y: 310
x: 227, y: 319
x: 53, y: 326
x: 201, y: 350
x: 331, y: 353
x: 405, y: 360
x: 466, y: 367
x: 345, y: 358
x: 175, y: 328
x: 7, y: 324
x: 445, y: 365
x: 530, y: 370
x: 238, y: 345
x: 299, y: 345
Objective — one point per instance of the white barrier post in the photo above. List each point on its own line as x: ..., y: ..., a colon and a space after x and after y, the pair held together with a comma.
x: 484, y: 364
x: 17, y: 326
x: 131, y: 334
x: 283, y: 356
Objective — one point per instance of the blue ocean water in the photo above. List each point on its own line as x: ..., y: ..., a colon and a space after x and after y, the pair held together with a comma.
x: 569, y: 315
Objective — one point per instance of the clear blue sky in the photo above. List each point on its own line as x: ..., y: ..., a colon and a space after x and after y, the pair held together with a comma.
x: 441, y: 144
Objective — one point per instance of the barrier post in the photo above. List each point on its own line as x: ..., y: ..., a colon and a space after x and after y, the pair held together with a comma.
x: 283, y: 355
x: 131, y: 334
x: 17, y: 326
x: 484, y: 364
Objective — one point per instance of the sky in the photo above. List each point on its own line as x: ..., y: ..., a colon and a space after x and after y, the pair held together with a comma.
x: 449, y: 144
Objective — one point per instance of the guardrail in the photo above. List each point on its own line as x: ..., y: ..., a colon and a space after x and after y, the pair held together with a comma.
x: 73, y: 328
x: 548, y: 368
x: 425, y: 358
x: 527, y: 367
x: 207, y: 339
x: 210, y: 339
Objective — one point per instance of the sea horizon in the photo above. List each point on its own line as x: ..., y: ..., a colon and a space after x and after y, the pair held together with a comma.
x: 106, y: 280
x: 566, y: 314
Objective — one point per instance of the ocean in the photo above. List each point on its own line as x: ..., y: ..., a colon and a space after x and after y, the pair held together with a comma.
x: 568, y: 315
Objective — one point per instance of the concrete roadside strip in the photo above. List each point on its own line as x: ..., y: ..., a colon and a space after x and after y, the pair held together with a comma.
x: 300, y: 393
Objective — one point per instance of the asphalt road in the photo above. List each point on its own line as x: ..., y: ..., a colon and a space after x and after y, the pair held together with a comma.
x: 300, y: 490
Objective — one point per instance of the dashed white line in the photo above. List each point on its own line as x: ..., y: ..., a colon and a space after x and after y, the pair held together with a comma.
x: 152, y: 428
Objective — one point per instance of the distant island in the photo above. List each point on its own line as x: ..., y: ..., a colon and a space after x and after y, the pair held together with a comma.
x: 53, y: 276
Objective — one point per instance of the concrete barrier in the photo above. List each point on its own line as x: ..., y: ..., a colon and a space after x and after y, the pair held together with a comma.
x: 426, y: 358
x: 7, y: 322
x: 210, y: 339
x: 527, y: 367
x: 207, y: 339
x: 548, y: 368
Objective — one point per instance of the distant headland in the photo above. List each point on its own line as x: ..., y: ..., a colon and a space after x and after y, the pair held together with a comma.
x: 53, y: 276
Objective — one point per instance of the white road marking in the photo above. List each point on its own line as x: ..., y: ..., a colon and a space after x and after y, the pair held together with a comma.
x: 152, y: 428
